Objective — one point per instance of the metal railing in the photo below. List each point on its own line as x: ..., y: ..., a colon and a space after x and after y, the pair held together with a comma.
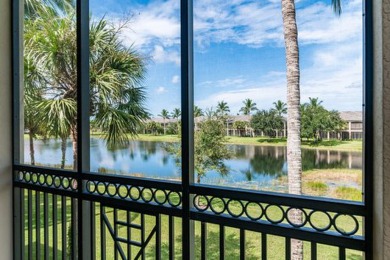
x: 132, y: 218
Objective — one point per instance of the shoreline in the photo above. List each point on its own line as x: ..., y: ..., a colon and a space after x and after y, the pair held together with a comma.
x: 332, y: 145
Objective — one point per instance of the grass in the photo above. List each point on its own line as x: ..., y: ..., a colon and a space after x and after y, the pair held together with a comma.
x: 349, y: 193
x: 338, y: 145
x: 343, y: 184
x: 275, y: 244
x: 315, y: 187
x: 355, y: 145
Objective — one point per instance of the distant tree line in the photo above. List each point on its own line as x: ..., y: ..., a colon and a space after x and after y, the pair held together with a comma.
x: 315, y: 119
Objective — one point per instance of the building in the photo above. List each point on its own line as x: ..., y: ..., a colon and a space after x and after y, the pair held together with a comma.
x: 354, y: 128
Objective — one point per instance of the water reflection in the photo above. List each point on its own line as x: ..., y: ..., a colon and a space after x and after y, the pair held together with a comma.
x: 254, y: 164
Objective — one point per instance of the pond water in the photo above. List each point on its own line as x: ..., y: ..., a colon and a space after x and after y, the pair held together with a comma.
x: 251, y: 166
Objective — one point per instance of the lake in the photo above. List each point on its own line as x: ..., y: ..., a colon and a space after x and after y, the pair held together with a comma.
x: 251, y: 166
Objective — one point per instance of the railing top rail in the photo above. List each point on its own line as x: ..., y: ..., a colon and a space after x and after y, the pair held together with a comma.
x: 298, y: 201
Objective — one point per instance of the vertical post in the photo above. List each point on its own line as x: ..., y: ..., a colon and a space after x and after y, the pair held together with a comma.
x: 17, y: 121
x: 83, y: 161
x: 368, y: 119
x: 187, y: 141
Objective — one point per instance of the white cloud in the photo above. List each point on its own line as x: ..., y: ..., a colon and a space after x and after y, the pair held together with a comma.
x: 162, y: 55
x: 246, y: 22
x: 175, y: 79
x: 161, y: 90
x: 234, y: 82
x: 335, y: 76
x: 156, y: 22
x: 262, y: 95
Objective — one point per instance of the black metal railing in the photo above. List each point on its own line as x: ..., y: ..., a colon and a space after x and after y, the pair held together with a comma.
x: 132, y: 218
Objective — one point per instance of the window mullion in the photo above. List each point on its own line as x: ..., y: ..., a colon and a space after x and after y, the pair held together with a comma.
x: 83, y: 136
x: 187, y: 128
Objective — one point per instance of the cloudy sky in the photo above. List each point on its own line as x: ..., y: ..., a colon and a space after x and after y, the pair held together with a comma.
x: 239, y: 51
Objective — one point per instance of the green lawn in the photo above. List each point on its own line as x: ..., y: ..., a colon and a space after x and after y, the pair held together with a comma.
x: 354, y: 145
x: 275, y: 244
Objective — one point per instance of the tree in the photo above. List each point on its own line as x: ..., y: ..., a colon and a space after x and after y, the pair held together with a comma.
x: 241, y: 126
x: 176, y: 114
x: 248, y: 107
x: 165, y: 115
x: 154, y: 128
x: 280, y: 107
x: 210, y: 113
x: 222, y: 108
x: 32, y: 96
x: 210, y: 151
x: 57, y: 120
x: 294, y: 158
x: 316, y: 119
x: 198, y: 111
x: 116, y: 71
x: 269, y: 122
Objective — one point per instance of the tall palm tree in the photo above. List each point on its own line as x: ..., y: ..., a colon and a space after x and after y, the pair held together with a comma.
x: 57, y: 120
x: 248, y: 107
x: 165, y: 115
x: 176, y: 113
x: 315, y: 102
x: 116, y: 71
x: 32, y: 96
x: 38, y: 9
x: 223, y: 108
x: 294, y: 159
x: 198, y: 111
x: 280, y: 107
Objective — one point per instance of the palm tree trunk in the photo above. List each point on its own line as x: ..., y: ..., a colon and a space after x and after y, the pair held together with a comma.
x: 32, y: 151
x: 63, y: 151
x: 294, y: 159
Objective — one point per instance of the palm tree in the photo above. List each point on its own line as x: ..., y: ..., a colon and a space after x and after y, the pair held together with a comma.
x: 34, y: 9
x: 165, y: 115
x: 176, y: 113
x: 116, y: 71
x: 248, y: 107
x: 223, y: 108
x: 314, y: 102
x: 210, y: 113
x: 198, y: 111
x: 57, y: 120
x: 280, y: 107
x: 294, y: 159
x: 32, y: 96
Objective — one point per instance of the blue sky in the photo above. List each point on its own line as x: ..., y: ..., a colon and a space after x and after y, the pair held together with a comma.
x: 239, y: 51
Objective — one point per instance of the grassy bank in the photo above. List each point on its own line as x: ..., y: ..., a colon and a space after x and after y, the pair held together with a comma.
x: 355, y: 145
x: 343, y: 184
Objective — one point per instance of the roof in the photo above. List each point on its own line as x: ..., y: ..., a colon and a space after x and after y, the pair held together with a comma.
x: 349, y: 116
x: 352, y: 116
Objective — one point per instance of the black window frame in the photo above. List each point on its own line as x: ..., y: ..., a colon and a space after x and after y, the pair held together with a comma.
x: 187, y: 186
